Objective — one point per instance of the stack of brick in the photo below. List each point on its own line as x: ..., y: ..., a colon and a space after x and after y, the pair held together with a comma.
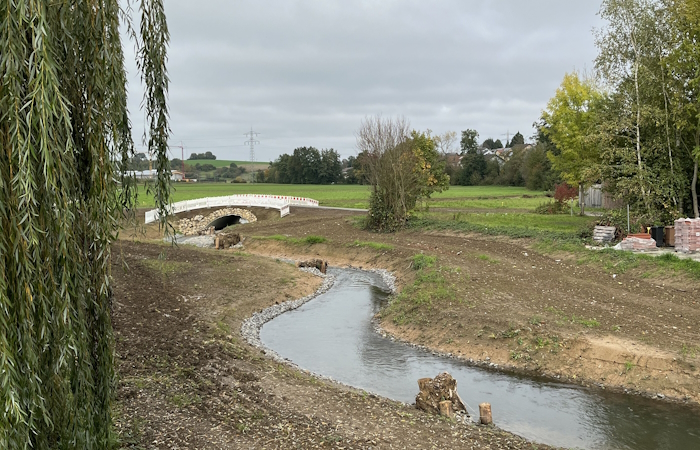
x: 687, y: 235
x: 642, y: 241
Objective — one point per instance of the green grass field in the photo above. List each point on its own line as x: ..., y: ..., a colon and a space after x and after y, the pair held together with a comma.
x: 355, y: 196
x: 485, y: 209
x: 347, y: 196
x: 516, y: 225
x: 225, y: 163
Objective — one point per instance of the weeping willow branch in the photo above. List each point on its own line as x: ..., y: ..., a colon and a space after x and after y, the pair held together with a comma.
x: 65, y: 139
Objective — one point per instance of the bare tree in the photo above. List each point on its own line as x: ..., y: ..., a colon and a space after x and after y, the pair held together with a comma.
x: 445, y: 142
x: 401, y: 167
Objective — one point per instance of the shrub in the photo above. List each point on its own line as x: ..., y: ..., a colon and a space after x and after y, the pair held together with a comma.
x: 313, y: 239
x: 422, y: 261
x: 563, y: 192
x: 552, y: 208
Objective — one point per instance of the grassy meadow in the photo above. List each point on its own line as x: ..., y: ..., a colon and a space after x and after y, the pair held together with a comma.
x: 355, y: 196
x: 225, y: 163
x: 494, y: 210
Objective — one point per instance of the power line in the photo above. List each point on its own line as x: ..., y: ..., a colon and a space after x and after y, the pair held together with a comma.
x: 251, y: 141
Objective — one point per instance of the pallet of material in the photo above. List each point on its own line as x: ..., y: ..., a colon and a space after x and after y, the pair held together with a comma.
x: 687, y: 235
x: 603, y: 234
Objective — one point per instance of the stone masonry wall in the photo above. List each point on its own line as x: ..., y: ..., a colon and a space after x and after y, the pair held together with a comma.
x: 199, y: 223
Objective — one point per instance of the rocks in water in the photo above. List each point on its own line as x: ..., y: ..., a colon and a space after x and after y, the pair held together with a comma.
x: 439, y: 395
x: 319, y: 264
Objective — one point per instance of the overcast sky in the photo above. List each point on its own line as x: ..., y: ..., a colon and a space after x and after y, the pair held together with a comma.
x: 305, y: 73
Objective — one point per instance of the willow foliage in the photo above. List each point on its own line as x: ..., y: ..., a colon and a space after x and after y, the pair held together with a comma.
x: 65, y: 139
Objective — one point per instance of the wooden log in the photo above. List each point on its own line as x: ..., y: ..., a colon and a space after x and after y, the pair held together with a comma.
x: 485, y: 413
x: 446, y: 409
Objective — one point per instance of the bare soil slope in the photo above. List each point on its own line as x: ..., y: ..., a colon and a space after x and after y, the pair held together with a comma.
x: 498, y: 300
x: 187, y: 380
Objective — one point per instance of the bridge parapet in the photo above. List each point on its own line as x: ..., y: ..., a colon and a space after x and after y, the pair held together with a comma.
x: 280, y: 202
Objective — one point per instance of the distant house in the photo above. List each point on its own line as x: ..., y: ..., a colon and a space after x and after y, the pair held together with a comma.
x: 175, y: 175
x: 503, y: 154
x: 453, y: 159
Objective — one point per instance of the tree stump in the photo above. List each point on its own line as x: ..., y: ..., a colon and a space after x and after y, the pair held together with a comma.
x: 485, y: 413
x: 446, y: 409
x: 434, y: 392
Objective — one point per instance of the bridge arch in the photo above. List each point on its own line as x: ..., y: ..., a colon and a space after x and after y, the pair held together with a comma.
x: 219, y: 219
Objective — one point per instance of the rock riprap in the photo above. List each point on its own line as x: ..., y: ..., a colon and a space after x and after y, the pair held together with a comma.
x: 198, y: 224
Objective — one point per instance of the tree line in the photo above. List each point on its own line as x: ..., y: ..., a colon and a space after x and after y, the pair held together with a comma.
x: 306, y: 165
x: 518, y: 164
x: 634, y: 124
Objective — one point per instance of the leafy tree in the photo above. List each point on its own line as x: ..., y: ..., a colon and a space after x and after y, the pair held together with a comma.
x: 401, y: 166
x: 683, y: 61
x: 205, y: 167
x: 330, y: 169
x: 538, y: 172
x: 571, y: 117
x: 306, y: 165
x: 176, y: 163
x: 138, y: 162
x: 491, y: 144
x: 66, y: 138
x: 473, y: 169
x: 647, y: 152
x: 469, y: 143
x: 518, y: 139
x: 198, y: 156
x: 473, y: 163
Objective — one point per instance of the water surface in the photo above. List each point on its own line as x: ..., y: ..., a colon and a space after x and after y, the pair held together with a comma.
x: 333, y: 336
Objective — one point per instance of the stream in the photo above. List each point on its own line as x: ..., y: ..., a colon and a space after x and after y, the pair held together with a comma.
x: 333, y: 335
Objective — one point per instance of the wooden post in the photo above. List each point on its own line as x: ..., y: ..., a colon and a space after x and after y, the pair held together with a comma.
x: 485, y: 413
x: 446, y: 409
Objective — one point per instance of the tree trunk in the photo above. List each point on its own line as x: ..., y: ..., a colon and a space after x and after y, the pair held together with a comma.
x: 637, y: 128
x: 694, y: 191
x: 668, y: 135
x: 581, y: 199
x: 678, y: 146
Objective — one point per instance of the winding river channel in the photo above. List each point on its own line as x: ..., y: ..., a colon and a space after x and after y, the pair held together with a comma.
x: 333, y: 336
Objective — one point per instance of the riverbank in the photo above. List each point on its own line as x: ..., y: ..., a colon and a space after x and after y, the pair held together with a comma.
x: 499, y: 301
x: 188, y: 379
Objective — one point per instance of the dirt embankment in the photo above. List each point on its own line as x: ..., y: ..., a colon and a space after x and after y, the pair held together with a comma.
x: 495, y: 300
x: 188, y: 380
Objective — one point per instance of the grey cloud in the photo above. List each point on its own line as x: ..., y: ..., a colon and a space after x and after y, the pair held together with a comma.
x: 307, y: 72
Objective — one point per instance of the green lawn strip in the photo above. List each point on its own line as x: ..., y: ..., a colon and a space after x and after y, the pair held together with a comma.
x: 373, y: 245
x: 346, y: 196
x: 353, y: 196
x: 486, y: 192
x: 524, y: 204
x: 224, y: 163
x: 516, y: 225
x: 616, y: 261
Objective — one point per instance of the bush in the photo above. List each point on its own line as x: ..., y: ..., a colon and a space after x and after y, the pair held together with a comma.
x: 563, y: 192
x: 313, y: 239
x: 422, y: 261
x: 553, y: 208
